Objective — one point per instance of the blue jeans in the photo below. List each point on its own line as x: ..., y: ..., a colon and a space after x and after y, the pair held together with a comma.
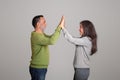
x: 38, y: 74
x: 81, y: 74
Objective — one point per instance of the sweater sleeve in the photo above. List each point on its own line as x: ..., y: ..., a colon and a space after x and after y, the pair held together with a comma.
x: 49, y: 40
x: 76, y: 41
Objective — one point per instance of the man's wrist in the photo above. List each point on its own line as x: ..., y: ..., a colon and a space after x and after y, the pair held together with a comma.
x: 59, y: 28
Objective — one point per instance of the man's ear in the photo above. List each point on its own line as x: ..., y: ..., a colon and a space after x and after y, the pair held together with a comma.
x: 38, y: 23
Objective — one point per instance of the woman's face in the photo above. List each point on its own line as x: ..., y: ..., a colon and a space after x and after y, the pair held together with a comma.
x: 81, y: 30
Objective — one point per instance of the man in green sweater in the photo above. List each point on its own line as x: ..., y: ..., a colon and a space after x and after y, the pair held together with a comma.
x: 39, y: 45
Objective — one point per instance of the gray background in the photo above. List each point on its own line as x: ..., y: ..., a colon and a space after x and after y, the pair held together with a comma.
x: 15, y: 30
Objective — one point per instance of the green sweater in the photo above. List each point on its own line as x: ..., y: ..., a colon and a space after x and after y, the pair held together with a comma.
x: 40, y: 50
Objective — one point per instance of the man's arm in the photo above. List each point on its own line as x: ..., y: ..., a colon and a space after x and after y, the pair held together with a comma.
x: 45, y: 40
x: 49, y: 40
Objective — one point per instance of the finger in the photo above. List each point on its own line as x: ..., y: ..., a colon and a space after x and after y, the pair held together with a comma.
x: 63, y: 17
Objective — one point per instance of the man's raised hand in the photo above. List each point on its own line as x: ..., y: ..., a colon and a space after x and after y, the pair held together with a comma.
x: 62, y: 22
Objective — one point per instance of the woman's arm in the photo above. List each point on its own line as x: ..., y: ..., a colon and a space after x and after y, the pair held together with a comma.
x: 76, y: 41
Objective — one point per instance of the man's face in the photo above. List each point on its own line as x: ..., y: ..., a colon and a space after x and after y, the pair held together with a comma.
x: 42, y: 22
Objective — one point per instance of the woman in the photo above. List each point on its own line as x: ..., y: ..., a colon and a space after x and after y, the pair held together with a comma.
x: 86, y: 45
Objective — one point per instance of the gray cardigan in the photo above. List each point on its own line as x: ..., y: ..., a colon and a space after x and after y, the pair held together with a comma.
x: 82, y: 51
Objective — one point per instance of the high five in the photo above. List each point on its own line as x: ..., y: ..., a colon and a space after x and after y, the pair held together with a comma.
x: 86, y: 45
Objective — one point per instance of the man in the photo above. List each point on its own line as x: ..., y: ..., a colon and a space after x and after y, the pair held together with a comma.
x: 39, y: 45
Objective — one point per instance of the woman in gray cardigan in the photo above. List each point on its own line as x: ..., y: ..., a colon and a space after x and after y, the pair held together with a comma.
x: 86, y: 45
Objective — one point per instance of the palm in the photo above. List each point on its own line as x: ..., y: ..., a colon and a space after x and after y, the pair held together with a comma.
x: 62, y: 22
